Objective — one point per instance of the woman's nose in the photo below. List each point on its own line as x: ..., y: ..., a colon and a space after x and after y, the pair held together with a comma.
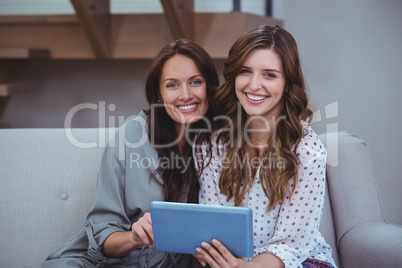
x: 186, y: 94
x: 255, y: 82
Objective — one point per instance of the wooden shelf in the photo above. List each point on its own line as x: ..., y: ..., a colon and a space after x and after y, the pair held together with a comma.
x: 37, y: 19
x: 8, y: 90
x: 24, y: 53
x: 95, y: 21
x: 179, y: 15
x: 95, y: 33
x: 133, y: 36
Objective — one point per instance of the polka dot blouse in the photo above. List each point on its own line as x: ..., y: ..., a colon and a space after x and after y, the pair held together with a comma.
x: 290, y: 230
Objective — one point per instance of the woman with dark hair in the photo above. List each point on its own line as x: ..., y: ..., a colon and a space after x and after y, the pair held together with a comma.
x: 266, y: 156
x: 150, y: 158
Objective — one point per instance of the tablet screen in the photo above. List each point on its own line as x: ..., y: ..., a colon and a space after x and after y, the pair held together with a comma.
x: 181, y: 227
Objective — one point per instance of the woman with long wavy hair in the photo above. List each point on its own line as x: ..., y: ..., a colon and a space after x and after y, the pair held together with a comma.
x: 149, y: 158
x: 266, y: 156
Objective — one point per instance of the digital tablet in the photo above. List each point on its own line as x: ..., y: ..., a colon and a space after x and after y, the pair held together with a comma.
x: 181, y: 227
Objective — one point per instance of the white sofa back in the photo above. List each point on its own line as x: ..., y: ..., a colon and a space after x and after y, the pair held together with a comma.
x: 47, y: 185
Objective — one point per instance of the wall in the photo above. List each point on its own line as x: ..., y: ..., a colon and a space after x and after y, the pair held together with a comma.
x: 351, y: 55
x: 57, y: 86
x: 351, y: 58
x: 80, y: 93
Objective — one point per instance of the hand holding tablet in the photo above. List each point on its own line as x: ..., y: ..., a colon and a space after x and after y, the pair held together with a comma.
x: 182, y: 227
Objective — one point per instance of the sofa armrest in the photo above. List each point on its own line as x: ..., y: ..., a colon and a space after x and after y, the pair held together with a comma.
x: 376, y: 244
x: 352, y: 184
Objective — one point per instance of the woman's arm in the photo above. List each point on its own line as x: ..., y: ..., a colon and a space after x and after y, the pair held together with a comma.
x: 267, y: 258
x: 107, y: 223
x: 120, y: 244
x: 219, y: 256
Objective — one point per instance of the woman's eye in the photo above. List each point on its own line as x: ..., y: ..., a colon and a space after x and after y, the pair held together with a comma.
x: 245, y: 71
x: 196, y: 82
x: 270, y: 75
x: 172, y: 85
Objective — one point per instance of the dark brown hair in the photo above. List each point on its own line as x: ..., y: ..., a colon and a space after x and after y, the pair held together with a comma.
x: 177, y: 180
x: 289, y: 131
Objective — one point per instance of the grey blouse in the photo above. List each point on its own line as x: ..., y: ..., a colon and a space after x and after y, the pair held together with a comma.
x: 124, y: 192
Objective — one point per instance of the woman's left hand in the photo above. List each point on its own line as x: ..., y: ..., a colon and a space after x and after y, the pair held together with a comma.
x: 219, y: 256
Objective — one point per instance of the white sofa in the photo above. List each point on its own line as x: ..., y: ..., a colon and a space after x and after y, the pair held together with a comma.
x: 47, y: 184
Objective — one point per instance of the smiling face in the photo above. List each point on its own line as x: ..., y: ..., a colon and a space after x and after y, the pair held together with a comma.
x: 260, y: 84
x: 183, y: 90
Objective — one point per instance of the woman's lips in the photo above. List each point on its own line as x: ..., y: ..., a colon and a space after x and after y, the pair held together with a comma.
x: 255, y: 99
x: 188, y: 108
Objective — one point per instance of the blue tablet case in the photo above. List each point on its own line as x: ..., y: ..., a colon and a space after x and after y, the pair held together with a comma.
x: 181, y: 227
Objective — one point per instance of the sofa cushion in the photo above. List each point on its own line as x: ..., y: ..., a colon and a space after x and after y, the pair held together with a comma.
x: 47, y: 185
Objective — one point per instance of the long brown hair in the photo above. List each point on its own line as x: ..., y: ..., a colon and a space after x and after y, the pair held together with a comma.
x: 177, y: 180
x: 235, y: 180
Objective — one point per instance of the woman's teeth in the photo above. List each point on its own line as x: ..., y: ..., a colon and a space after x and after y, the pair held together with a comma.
x: 256, y: 98
x: 187, y: 107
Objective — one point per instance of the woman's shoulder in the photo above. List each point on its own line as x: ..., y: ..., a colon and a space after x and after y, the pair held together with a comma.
x: 309, y: 135
x: 134, y: 130
x: 135, y: 125
x: 310, y: 145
